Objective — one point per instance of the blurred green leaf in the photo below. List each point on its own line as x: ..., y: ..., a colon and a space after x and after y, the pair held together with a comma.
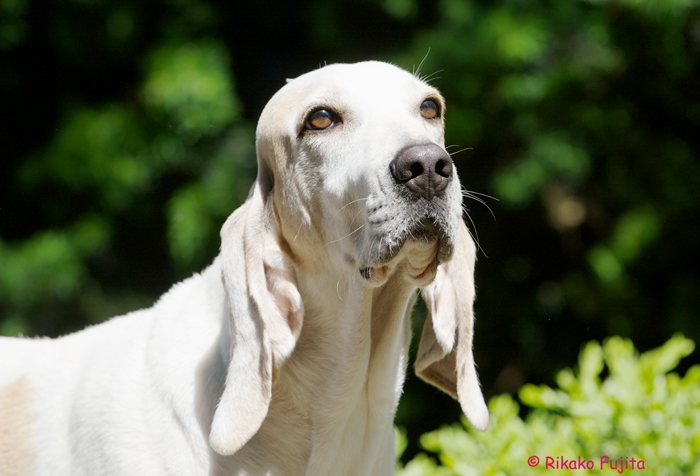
x: 193, y: 85
x: 400, y: 8
x: 550, y: 158
x: 51, y: 263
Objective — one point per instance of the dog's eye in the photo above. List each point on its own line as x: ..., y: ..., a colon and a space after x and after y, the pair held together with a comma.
x: 429, y: 109
x: 321, y: 119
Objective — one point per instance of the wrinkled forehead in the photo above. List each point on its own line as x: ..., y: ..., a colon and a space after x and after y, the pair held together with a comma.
x: 372, y: 85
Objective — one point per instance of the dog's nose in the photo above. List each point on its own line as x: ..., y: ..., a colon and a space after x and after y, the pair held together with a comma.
x: 425, y: 169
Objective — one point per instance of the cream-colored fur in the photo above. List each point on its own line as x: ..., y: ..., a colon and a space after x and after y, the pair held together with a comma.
x: 287, y: 355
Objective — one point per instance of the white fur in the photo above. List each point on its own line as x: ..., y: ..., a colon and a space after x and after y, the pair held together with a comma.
x: 280, y: 358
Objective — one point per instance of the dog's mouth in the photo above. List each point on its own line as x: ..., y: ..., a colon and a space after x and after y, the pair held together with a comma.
x: 423, y: 246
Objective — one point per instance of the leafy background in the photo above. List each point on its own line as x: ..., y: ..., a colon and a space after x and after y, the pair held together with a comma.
x: 127, y: 139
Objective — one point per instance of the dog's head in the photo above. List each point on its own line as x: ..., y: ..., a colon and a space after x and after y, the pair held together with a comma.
x: 352, y: 175
x: 353, y: 157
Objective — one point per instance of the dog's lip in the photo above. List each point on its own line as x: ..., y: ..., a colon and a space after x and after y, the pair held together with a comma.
x: 428, y: 234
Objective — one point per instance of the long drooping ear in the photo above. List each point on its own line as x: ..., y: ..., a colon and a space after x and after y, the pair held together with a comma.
x: 445, y: 357
x: 265, y: 319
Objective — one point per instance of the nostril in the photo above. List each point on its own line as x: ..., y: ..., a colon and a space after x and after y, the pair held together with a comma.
x: 425, y: 170
x: 443, y: 168
x: 416, y: 169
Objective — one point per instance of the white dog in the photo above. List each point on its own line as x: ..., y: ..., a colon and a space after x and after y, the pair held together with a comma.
x: 287, y: 355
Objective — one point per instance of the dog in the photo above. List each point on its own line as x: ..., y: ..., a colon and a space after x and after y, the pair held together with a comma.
x: 287, y: 355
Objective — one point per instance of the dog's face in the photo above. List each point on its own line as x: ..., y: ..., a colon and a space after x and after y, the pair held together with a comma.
x: 353, y: 157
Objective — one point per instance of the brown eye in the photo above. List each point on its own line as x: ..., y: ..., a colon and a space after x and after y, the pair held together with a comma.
x: 429, y: 109
x: 321, y: 119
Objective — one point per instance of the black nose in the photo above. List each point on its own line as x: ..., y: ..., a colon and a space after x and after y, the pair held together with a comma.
x: 425, y: 169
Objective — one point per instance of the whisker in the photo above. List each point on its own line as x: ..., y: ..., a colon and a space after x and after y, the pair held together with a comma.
x: 477, y: 199
x: 482, y: 194
x: 344, y: 206
x: 427, y: 77
x: 431, y: 74
x: 469, y: 195
x: 298, y: 231
x: 349, y: 234
x: 416, y: 72
x: 337, y: 289
x: 475, y: 235
x: 462, y: 150
x: 356, y: 215
x: 472, y: 195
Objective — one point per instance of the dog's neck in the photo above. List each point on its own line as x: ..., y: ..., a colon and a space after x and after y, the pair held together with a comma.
x: 335, y: 397
x: 346, y: 373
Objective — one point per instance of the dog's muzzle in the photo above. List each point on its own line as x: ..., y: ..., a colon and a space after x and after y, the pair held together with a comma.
x: 422, y: 174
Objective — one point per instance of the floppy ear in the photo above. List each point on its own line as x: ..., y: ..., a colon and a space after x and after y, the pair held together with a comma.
x: 445, y: 357
x: 265, y: 314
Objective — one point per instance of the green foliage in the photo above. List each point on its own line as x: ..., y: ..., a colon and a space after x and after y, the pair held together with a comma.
x: 192, y: 84
x: 100, y: 150
x: 550, y: 158
x: 400, y: 8
x: 634, y: 230
x: 106, y: 160
x: 196, y: 211
x: 50, y: 262
x: 638, y: 410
